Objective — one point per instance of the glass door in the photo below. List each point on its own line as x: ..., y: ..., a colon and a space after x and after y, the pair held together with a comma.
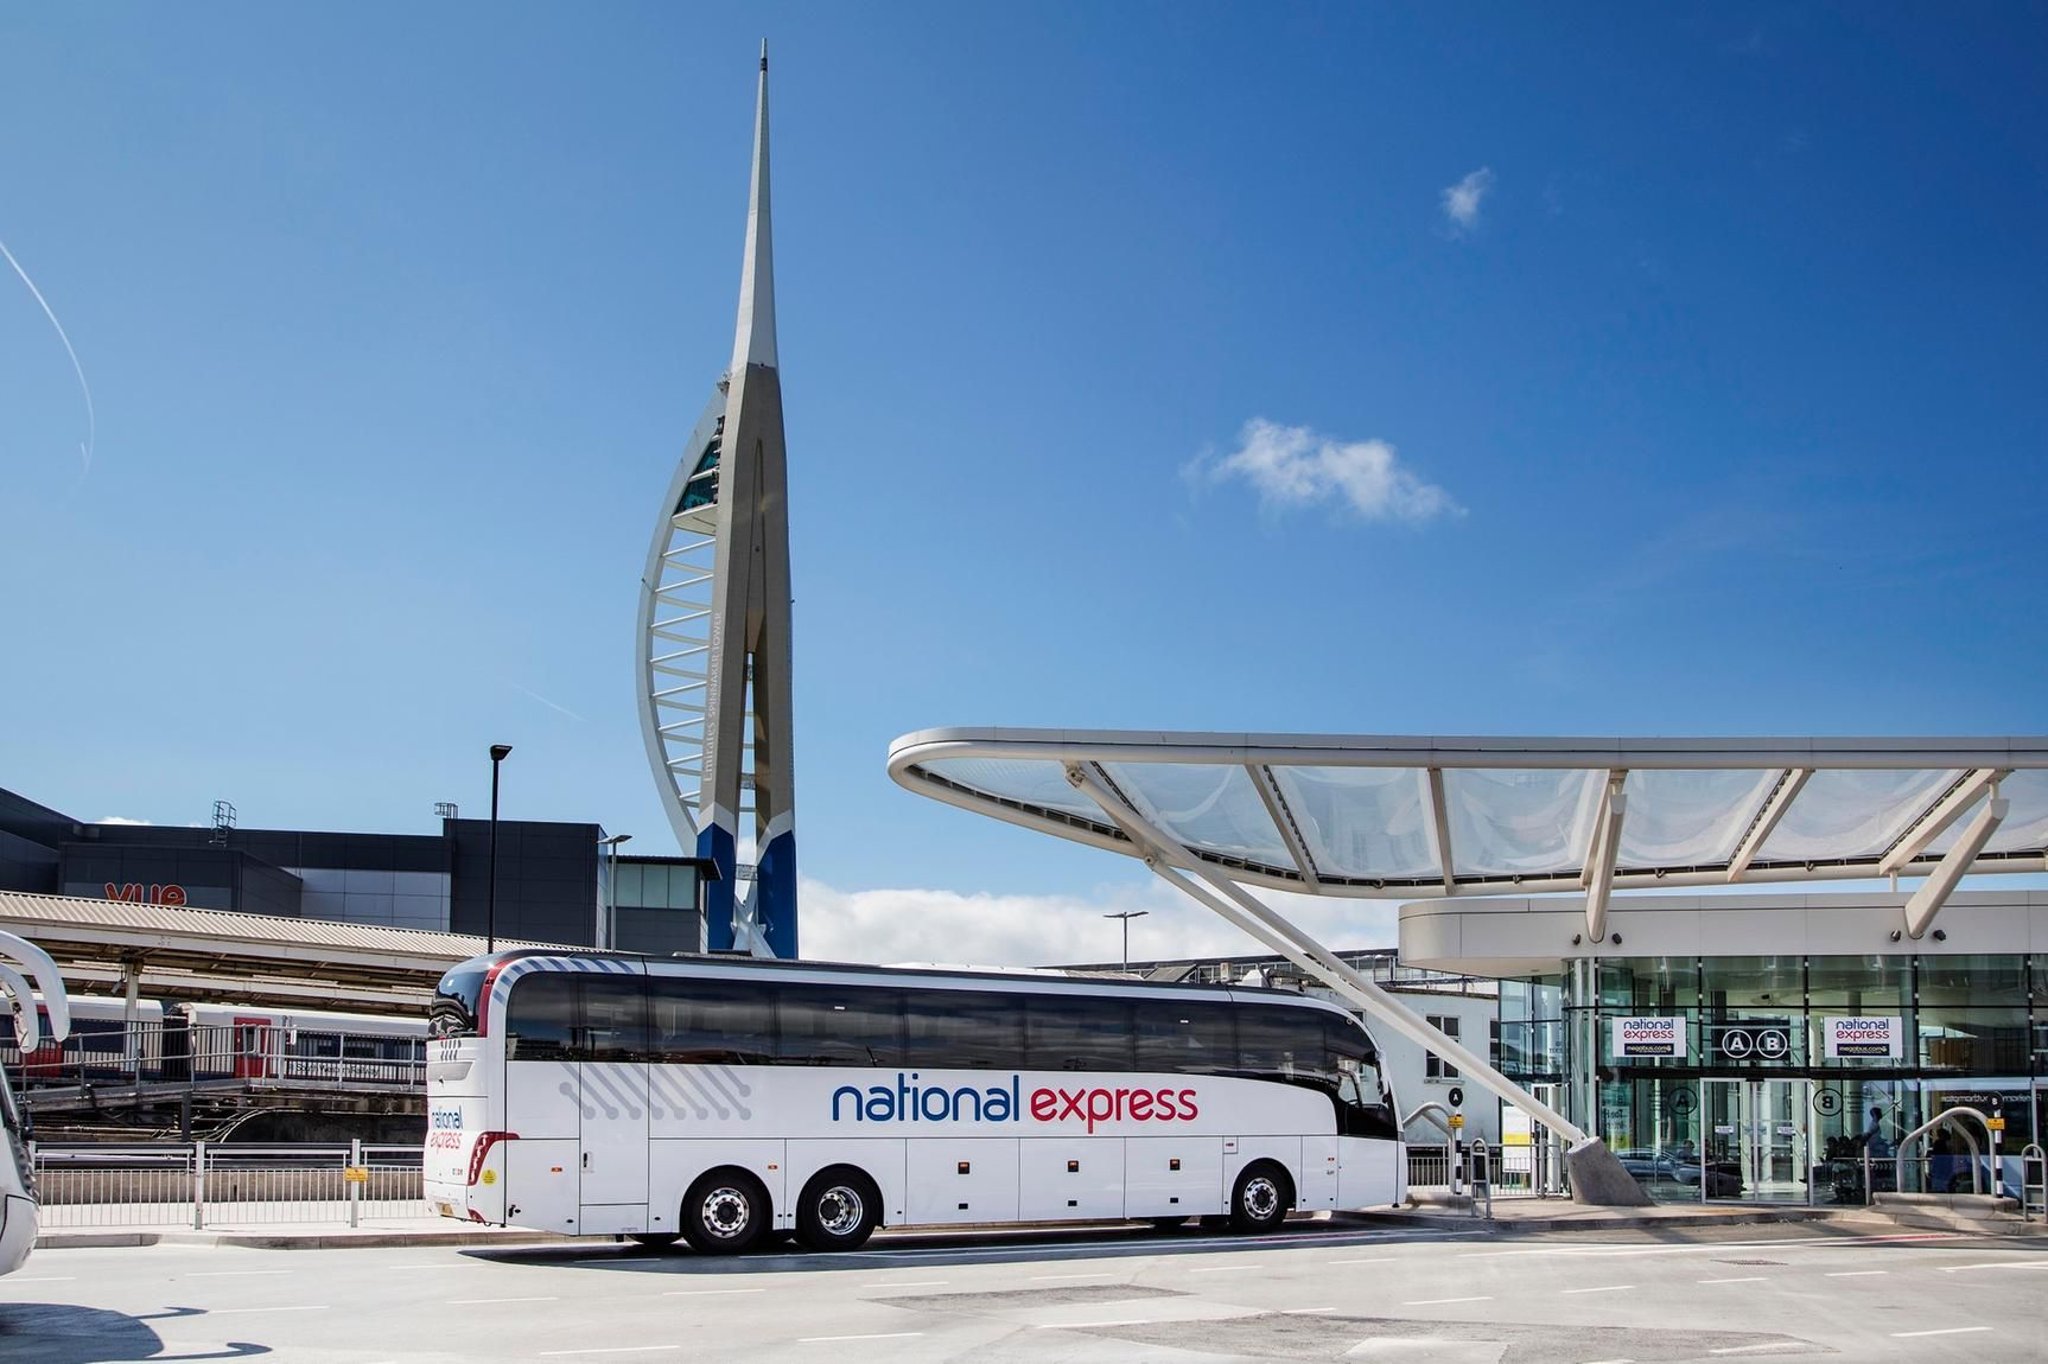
x: 1757, y: 1139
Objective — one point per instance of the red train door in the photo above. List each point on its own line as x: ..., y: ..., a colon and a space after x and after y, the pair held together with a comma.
x: 252, y: 1048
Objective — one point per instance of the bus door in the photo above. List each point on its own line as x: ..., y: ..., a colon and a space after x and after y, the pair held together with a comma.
x: 612, y: 1044
x: 251, y: 1047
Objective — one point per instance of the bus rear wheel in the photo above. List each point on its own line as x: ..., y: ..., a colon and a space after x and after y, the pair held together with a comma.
x: 725, y: 1212
x: 839, y: 1210
x: 1260, y: 1199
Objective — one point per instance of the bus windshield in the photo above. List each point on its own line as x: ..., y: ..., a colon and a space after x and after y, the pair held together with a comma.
x: 454, y: 1010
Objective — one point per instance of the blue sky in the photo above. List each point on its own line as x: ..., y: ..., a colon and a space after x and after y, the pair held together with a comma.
x: 1639, y: 371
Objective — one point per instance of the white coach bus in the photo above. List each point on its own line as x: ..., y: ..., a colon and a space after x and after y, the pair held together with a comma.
x: 720, y: 1099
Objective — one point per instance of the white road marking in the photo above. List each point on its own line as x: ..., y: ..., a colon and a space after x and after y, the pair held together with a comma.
x: 1809, y: 1243
x: 1854, y: 1273
x: 232, y: 1273
x: 1304, y: 1311
x: 1091, y: 1325
x: 1760, y: 1349
x: 1219, y: 1269
x: 1946, y: 1269
x: 1604, y: 1288
x: 1382, y: 1260
x: 1433, y: 1302
x: 1753, y: 1278
x: 897, y: 1283
x: 480, y: 1302
x: 1945, y: 1331
x: 235, y: 1311
x: 1610, y: 1361
x: 54, y: 1278
x: 707, y: 1292
x: 873, y: 1335
x: 611, y: 1350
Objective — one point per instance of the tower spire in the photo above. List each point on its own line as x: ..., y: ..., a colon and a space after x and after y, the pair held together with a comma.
x: 754, y: 340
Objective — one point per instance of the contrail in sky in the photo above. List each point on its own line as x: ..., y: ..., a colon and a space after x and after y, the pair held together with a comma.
x: 91, y: 420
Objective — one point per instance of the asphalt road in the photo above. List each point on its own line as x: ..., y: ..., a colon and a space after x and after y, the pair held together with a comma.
x: 1792, y: 1292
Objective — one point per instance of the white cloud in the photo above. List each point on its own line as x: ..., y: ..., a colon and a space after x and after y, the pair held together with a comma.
x: 1461, y: 201
x: 989, y: 929
x: 1293, y: 466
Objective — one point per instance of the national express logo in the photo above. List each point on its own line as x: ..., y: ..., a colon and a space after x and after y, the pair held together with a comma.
x: 909, y: 1101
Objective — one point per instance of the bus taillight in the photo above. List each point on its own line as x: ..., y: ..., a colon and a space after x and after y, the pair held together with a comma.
x: 482, y: 1150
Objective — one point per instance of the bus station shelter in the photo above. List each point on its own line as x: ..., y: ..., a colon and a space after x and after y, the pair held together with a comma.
x: 1677, y: 988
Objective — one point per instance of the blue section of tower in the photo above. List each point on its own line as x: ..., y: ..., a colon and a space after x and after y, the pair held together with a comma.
x: 775, y: 894
x: 715, y: 845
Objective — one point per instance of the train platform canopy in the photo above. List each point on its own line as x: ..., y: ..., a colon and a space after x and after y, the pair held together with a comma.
x: 182, y: 953
x: 1414, y: 817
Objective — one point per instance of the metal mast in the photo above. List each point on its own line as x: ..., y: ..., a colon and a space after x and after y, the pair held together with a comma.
x: 715, y: 629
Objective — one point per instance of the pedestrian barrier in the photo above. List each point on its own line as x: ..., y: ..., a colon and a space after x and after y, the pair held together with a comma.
x: 219, y: 1184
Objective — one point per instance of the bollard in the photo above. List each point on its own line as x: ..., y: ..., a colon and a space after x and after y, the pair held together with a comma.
x: 355, y: 1187
x: 198, y: 1186
x: 1482, y: 1178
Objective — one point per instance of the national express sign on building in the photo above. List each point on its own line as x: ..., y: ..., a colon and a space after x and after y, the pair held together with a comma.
x: 1643, y: 1037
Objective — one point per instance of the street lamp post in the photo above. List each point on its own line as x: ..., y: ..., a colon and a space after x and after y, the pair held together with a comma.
x: 498, y: 753
x: 608, y: 909
x: 1128, y: 915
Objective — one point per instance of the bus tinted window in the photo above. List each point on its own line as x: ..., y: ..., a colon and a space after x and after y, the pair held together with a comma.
x: 1077, y: 1032
x: 540, y: 1020
x: 1193, y: 1037
x: 725, y: 1022
x: 614, y: 1022
x: 963, y: 1030
x: 1280, y: 1042
x: 832, y: 1025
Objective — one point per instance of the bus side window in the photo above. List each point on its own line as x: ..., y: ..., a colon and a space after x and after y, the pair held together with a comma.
x: 839, y: 1025
x: 1279, y: 1043
x: 541, y: 1018
x: 712, y: 1022
x: 1186, y: 1037
x: 1077, y: 1032
x: 614, y: 1024
x: 963, y: 1030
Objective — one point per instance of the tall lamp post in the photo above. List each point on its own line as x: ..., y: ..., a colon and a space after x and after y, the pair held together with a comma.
x: 608, y: 910
x: 498, y: 753
x: 1128, y: 915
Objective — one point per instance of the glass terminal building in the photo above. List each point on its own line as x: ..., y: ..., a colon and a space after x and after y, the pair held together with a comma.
x: 1682, y: 975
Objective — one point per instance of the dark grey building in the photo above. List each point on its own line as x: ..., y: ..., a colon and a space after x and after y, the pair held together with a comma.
x: 554, y: 881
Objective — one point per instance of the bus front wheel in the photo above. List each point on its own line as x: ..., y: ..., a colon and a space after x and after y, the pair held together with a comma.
x: 839, y: 1210
x: 725, y: 1212
x: 1260, y: 1199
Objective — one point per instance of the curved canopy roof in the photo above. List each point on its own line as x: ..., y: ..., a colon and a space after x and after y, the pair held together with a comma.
x: 1415, y: 816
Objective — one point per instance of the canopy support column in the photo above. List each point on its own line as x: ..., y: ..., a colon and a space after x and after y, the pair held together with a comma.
x: 1935, y: 890
x: 1597, y: 1175
x: 1598, y: 877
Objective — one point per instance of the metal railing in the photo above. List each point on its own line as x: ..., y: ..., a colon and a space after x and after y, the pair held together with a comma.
x: 175, y: 1052
x: 221, y: 1184
x: 1510, y: 1171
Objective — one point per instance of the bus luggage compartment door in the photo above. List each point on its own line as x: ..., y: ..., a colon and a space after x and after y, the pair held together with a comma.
x: 961, y: 1180
x: 542, y: 1185
x: 1071, y: 1178
x: 1173, y: 1176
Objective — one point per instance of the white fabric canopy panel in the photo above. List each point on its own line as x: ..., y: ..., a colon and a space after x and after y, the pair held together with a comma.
x: 1418, y: 816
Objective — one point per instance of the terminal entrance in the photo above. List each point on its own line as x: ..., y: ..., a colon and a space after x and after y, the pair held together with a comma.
x: 1758, y: 1139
